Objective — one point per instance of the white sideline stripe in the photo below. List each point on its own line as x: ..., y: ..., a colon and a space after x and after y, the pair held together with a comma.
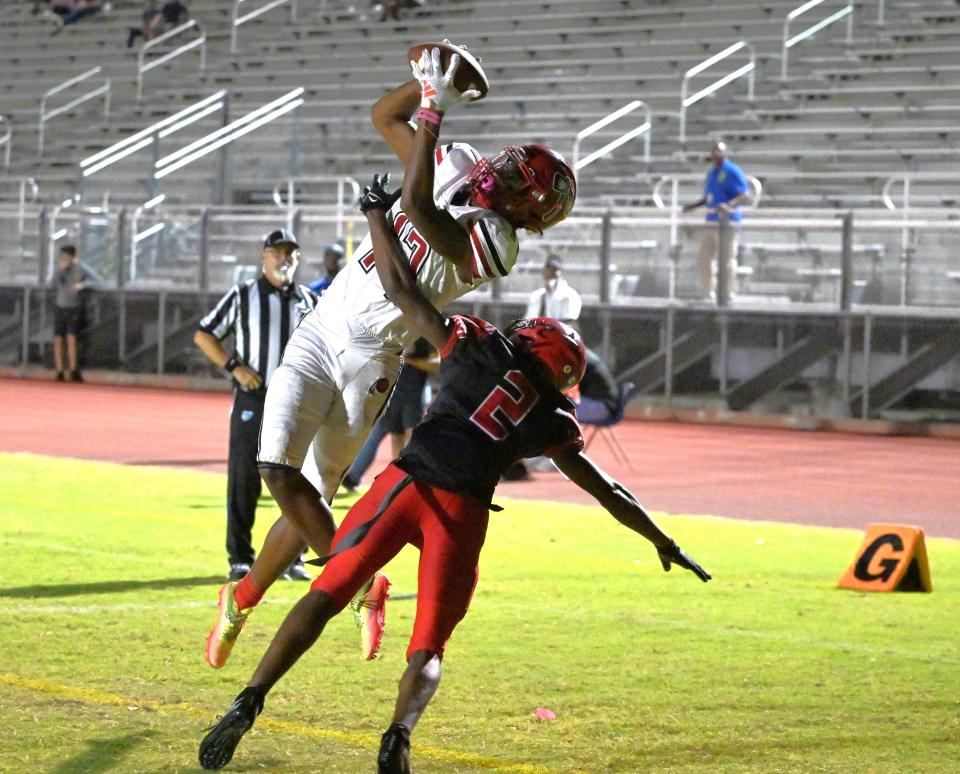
x: 756, y: 634
x: 94, y: 552
x: 121, y: 608
x: 646, y: 621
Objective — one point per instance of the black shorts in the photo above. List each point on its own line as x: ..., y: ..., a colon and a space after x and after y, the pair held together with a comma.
x: 66, y: 321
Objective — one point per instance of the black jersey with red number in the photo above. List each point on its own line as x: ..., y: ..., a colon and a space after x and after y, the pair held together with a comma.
x: 494, y: 407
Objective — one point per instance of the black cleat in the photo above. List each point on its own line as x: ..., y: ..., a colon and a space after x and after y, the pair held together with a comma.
x: 217, y: 747
x: 296, y: 571
x: 394, y: 757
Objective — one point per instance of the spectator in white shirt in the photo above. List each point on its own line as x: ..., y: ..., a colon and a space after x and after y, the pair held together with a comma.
x: 556, y: 298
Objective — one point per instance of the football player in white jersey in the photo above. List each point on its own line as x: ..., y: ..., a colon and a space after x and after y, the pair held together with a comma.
x: 457, y: 222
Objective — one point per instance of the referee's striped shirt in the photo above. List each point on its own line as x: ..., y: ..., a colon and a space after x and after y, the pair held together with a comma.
x: 261, y: 319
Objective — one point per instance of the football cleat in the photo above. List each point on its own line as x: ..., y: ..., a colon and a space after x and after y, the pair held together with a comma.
x: 217, y: 747
x: 230, y: 621
x: 296, y: 571
x: 394, y: 757
x: 370, y: 608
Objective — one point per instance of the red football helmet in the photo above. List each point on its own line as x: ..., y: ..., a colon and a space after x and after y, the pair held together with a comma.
x: 530, y: 185
x: 555, y: 344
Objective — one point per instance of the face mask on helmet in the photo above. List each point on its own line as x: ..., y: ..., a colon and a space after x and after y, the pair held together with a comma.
x: 530, y: 185
x: 556, y: 345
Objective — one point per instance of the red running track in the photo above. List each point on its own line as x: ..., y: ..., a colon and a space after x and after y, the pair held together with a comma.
x: 829, y: 479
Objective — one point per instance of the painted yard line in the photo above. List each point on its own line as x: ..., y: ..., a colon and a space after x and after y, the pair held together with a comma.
x: 22, y: 610
x: 352, y: 738
x: 94, y: 552
x: 121, y: 608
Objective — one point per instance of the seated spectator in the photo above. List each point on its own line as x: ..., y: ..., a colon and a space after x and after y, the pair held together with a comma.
x: 332, y: 263
x: 63, y: 7
x: 390, y: 9
x: 597, y: 399
x: 174, y: 13
x: 81, y: 10
x: 151, y: 19
x: 599, y: 395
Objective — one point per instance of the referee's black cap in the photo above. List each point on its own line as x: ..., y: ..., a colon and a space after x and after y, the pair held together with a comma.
x: 281, y: 236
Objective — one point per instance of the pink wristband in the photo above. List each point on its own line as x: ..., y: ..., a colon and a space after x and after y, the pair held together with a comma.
x: 430, y: 116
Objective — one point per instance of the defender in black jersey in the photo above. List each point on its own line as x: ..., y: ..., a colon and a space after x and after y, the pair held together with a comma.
x: 500, y: 400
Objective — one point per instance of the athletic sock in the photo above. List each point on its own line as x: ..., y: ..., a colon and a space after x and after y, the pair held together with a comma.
x: 246, y: 595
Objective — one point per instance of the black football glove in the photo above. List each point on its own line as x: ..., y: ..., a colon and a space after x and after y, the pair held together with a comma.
x: 377, y: 197
x: 672, y: 554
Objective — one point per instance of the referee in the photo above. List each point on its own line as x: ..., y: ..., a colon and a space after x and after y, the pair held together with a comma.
x: 261, y: 314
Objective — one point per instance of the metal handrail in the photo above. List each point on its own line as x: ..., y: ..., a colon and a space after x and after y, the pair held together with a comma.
x: 674, y: 221
x: 45, y: 116
x: 143, y: 66
x: 25, y: 183
x: 342, y: 182
x: 907, y: 179
x: 754, y: 182
x: 788, y: 42
x: 229, y: 133
x: 237, y: 19
x: 136, y: 237
x: 747, y: 69
x: 152, y: 134
x: 5, y: 139
x: 642, y: 129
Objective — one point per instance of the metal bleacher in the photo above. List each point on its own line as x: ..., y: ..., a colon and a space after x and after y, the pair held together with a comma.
x: 868, y: 123
x: 556, y: 67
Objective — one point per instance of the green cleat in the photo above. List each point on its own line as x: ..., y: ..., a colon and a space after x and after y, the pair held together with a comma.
x: 370, y: 609
x: 230, y: 621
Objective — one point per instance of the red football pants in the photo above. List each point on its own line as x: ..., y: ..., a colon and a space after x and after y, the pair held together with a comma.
x: 448, y: 528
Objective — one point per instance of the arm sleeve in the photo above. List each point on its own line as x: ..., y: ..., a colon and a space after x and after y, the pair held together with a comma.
x: 221, y: 320
x: 494, y: 247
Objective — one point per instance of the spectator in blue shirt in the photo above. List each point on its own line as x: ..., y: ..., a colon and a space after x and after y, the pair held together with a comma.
x: 332, y: 263
x: 725, y: 188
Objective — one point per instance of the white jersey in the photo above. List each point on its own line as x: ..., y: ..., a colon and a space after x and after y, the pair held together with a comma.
x: 356, y: 295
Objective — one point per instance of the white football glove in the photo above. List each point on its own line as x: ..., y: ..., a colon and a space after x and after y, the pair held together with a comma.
x: 436, y: 86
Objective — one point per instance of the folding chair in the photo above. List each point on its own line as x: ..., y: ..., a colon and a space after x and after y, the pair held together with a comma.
x: 605, y: 428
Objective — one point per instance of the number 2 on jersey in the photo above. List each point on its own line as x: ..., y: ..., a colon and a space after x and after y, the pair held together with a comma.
x: 415, y: 246
x: 501, y: 407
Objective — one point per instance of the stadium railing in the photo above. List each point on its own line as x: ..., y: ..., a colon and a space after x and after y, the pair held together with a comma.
x: 144, y: 66
x: 151, y: 137
x: 686, y: 101
x: 48, y: 115
x: 638, y: 131
x: 343, y: 201
x: 223, y: 137
x: 789, y: 42
x: 6, y: 139
x: 237, y: 19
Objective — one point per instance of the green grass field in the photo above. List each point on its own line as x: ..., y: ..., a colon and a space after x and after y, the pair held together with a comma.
x: 107, y: 587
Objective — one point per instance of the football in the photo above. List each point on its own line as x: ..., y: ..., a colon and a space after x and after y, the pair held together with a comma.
x: 469, y: 75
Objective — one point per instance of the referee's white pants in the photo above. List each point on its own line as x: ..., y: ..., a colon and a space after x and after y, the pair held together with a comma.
x: 332, y: 403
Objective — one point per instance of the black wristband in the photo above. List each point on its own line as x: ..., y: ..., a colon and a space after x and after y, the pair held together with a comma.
x: 232, y: 364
